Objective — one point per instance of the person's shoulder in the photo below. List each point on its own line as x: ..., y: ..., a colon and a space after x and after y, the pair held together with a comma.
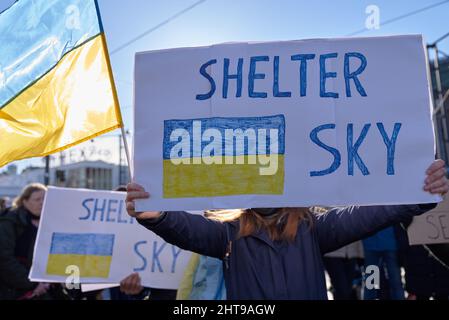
x: 9, y: 221
x: 234, y: 224
x: 8, y: 214
x: 231, y: 224
x: 12, y: 215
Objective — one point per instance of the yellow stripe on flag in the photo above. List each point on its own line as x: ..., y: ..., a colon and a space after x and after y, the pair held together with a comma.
x: 214, y: 180
x: 72, y: 103
x: 90, y: 266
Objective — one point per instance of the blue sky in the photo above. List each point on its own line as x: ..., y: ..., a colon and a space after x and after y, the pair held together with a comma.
x: 216, y: 21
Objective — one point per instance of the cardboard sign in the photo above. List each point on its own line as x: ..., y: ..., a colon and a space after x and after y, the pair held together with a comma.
x: 431, y: 227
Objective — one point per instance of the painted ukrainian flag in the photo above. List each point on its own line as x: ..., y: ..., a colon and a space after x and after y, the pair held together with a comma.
x: 214, y: 157
x: 56, y: 84
x: 92, y: 253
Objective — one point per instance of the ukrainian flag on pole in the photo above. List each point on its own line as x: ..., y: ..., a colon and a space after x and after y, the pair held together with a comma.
x: 56, y: 83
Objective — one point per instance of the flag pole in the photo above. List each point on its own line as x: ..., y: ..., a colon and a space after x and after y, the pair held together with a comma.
x: 114, y: 89
x: 128, y: 157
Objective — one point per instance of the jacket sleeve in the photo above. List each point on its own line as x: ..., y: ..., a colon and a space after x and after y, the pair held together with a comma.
x: 190, y: 232
x: 341, y: 226
x: 12, y: 273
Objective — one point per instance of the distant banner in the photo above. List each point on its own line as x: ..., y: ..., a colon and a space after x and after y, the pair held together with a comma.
x: 87, y: 236
x: 431, y: 227
x: 284, y: 124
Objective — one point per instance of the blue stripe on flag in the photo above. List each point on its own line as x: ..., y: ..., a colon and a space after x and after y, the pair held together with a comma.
x: 222, y: 124
x: 35, y: 35
x: 82, y: 244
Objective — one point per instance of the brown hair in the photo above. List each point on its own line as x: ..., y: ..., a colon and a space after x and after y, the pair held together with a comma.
x: 280, y: 226
x: 224, y: 215
x: 27, y: 192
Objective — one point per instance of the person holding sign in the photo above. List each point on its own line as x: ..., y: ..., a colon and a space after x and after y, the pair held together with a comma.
x: 276, y: 253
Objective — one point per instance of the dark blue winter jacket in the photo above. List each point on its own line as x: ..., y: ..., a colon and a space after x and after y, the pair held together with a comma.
x: 259, y: 268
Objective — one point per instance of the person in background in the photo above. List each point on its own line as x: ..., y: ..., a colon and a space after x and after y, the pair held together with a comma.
x: 18, y: 231
x: 425, y: 276
x: 426, y: 268
x: 341, y: 266
x: 381, y: 250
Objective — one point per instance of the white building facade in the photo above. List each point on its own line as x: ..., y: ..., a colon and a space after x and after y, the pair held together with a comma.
x: 96, y: 175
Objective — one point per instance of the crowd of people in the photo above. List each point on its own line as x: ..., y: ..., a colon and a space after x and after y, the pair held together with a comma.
x: 255, y: 253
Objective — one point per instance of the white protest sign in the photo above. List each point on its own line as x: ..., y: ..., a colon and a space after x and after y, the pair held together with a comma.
x: 88, y: 236
x: 284, y: 124
x: 431, y: 227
